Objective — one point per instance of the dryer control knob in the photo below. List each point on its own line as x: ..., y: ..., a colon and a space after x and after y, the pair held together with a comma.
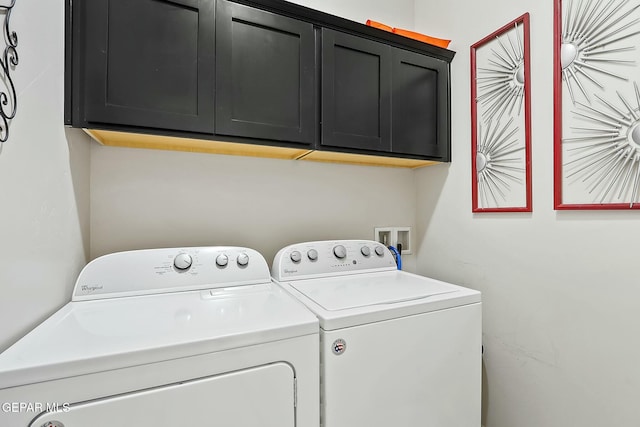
x: 380, y: 250
x: 295, y: 256
x: 312, y: 254
x: 182, y: 261
x: 243, y: 259
x: 222, y: 260
x: 339, y: 251
x: 365, y: 251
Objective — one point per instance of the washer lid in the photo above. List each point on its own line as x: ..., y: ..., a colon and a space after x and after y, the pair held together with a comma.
x: 364, y: 298
x: 92, y: 336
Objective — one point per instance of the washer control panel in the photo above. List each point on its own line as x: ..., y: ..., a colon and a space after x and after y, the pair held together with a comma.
x: 330, y: 258
x: 169, y: 270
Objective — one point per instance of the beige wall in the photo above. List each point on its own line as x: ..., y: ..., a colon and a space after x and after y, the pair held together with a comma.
x: 560, y: 289
x: 44, y: 180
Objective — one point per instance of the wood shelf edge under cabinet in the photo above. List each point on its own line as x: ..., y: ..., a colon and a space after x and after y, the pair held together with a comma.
x: 366, y: 160
x: 158, y: 142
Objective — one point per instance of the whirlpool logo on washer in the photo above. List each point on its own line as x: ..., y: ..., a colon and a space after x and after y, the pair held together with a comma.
x: 339, y: 346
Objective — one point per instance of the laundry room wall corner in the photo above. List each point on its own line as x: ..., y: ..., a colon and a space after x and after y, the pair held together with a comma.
x: 560, y: 294
x: 44, y: 172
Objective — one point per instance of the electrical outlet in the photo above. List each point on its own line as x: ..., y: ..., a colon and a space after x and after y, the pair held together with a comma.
x: 391, y: 236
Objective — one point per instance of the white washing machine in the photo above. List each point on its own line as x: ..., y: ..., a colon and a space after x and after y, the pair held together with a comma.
x: 168, y: 337
x: 396, y: 349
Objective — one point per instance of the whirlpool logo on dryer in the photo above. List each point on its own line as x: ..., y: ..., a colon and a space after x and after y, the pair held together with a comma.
x: 91, y: 288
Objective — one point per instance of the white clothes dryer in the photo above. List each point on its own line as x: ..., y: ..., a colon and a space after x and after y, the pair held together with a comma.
x: 168, y: 337
x: 396, y: 349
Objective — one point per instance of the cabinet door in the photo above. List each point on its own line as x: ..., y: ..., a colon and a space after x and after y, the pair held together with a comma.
x: 148, y: 63
x: 356, y: 85
x: 420, y: 105
x: 265, y: 74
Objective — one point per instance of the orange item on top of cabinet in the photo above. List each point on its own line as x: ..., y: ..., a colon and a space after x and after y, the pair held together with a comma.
x: 422, y: 37
x: 444, y: 43
x: 379, y: 25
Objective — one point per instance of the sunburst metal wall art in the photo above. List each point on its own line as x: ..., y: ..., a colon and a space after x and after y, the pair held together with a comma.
x: 501, y: 120
x: 9, y: 59
x: 595, y: 34
x: 597, y: 104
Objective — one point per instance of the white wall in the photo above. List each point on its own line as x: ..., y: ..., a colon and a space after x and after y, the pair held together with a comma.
x: 560, y: 289
x: 44, y: 173
x: 397, y: 13
x: 145, y: 198
x: 152, y: 198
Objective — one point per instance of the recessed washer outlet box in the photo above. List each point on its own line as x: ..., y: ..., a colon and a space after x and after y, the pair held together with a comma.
x: 391, y: 236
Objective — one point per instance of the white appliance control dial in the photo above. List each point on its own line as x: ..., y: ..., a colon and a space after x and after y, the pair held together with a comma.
x: 339, y: 251
x: 365, y: 251
x: 182, y: 261
x: 296, y: 256
x: 222, y: 260
x: 380, y: 250
x: 243, y: 259
x: 312, y: 254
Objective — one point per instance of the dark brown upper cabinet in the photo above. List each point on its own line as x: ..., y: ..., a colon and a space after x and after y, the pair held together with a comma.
x: 380, y: 98
x: 146, y: 63
x: 255, y: 77
x: 265, y: 75
x: 420, y: 99
x: 356, y: 92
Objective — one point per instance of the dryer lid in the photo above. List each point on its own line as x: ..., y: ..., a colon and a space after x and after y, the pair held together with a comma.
x: 358, y: 299
x: 93, y: 336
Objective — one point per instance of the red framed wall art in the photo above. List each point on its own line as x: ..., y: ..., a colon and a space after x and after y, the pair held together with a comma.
x: 596, y: 104
x: 501, y: 120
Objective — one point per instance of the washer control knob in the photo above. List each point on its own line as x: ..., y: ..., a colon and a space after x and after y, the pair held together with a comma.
x: 312, y: 254
x: 243, y: 259
x: 222, y: 260
x: 182, y: 261
x: 339, y: 251
x: 380, y: 250
x: 295, y: 256
x: 365, y: 251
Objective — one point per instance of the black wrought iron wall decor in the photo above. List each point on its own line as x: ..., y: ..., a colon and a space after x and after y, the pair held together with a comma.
x: 9, y: 60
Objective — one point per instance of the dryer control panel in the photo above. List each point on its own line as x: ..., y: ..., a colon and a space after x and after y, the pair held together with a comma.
x: 165, y: 270
x: 331, y: 258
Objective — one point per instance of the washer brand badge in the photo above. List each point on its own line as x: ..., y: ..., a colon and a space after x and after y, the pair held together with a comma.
x: 90, y: 289
x: 287, y: 271
x: 339, y: 346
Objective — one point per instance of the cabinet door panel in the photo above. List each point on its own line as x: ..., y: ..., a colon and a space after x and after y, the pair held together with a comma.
x: 356, y: 85
x: 265, y: 73
x: 149, y: 63
x: 420, y: 125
